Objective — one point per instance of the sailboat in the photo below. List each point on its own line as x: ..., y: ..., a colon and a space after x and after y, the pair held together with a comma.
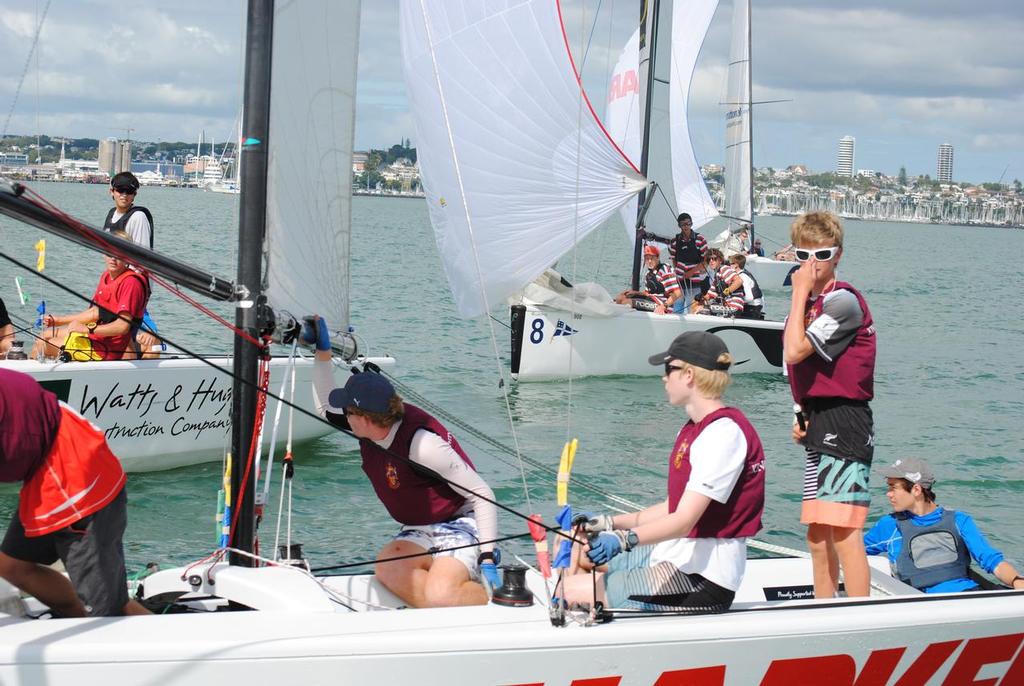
x: 232, y: 620
x: 519, y: 168
x: 739, y: 169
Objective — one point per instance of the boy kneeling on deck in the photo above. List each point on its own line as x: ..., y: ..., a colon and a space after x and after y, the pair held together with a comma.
x: 688, y: 553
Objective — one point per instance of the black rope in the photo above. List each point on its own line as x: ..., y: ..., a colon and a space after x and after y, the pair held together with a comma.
x: 401, y: 458
x: 432, y: 551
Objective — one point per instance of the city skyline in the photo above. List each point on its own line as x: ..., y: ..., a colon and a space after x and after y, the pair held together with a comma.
x: 900, y: 79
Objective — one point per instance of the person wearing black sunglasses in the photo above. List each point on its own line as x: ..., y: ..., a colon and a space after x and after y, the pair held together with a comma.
x: 829, y: 346
x: 137, y: 222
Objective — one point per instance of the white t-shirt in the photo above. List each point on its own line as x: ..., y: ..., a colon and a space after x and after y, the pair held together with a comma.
x: 717, y: 459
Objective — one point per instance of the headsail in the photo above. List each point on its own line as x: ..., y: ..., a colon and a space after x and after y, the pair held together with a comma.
x: 671, y: 162
x: 515, y: 166
x: 737, y: 120
x: 309, y: 176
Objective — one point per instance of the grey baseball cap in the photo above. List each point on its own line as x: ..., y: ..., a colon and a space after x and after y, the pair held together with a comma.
x: 913, y: 469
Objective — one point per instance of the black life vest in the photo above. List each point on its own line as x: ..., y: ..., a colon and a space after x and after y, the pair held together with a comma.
x: 755, y: 292
x: 686, y: 252
x: 653, y: 284
x: 931, y: 554
x: 122, y: 223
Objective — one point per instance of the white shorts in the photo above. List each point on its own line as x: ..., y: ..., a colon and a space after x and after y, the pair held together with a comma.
x: 440, y: 538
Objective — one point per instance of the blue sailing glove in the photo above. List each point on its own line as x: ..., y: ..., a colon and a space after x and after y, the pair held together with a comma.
x: 489, y: 568
x: 605, y: 546
x: 314, y: 332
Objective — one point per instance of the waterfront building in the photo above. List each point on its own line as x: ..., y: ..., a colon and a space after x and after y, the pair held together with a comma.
x: 845, y: 159
x: 359, y: 160
x: 945, y: 167
x: 114, y: 156
x: 13, y: 159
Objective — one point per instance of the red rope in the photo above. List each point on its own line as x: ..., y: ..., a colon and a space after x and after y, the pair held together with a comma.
x: 261, y: 406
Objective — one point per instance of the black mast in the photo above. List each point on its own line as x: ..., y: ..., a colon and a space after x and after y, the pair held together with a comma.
x: 648, y: 14
x: 252, y: 219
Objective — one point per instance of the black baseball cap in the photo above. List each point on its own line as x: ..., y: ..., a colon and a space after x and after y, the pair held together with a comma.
x: 367, y: 390
x: 699, y: 348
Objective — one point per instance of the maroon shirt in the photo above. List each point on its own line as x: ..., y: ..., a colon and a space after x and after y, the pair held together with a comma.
x: 851, y: 374
x: 29, y: 420
x: 411, y: 495
x: 740, y: 515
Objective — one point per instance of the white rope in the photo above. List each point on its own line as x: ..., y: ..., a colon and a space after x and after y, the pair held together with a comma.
x: 476, y: 256
x: 277, y: 419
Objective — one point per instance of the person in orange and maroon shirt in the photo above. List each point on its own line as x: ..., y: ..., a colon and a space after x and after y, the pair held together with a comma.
x: 71, y: 507
x: 116, y: 312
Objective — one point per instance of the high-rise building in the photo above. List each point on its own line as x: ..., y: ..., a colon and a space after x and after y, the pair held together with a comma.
x: 124, y: 156
x: 108, y: 156
x: 945, y: 167
x: 847, y: 150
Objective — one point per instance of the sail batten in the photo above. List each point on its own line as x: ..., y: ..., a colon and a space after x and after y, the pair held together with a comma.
x: 515, y: 169
x: 309, y: 174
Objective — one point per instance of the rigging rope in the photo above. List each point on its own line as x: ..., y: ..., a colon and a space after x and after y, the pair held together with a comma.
x: 24, y: 73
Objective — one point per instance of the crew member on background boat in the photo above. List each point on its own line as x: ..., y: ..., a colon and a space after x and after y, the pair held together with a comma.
x: 6, y: 330
x: 829, y: 346
x: 785, y: 254
x: 930, y: 547
x: 726, y: 285
x: 737, y: 242
x: 424, y: 479
x: 104, y: 330
x: 687, y: 250
x: 688, y: 552
x: 137, y: 222
x: 661, y: 289
x: 71, y: 507
x: 756, y: 248
x: 750, y: 291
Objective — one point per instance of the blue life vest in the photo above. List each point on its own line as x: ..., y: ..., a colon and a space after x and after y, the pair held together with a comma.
x: 930, y: 554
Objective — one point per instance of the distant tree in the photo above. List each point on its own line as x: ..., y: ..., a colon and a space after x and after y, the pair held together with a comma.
x: 1016, y: 186
x: 903, y: 176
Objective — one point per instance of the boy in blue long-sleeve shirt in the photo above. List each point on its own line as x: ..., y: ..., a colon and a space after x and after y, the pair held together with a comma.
x: 928, y: 546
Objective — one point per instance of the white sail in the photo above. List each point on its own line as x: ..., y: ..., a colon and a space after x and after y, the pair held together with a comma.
x: 737, y: 119
x: 622, y: 115
x: 690, y: 22
x: 309, y: 171
x: 516, y: 167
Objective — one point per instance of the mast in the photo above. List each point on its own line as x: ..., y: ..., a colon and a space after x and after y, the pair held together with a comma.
x: 649, y: 10
x: 750, y: 120
x: 252, y: 219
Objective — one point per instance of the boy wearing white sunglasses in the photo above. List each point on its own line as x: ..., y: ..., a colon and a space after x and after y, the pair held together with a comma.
x: 829, y: 347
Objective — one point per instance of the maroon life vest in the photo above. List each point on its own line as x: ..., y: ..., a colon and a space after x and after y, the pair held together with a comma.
x: 412, y: 495
x: 851, y: 374
x: 740, y: 515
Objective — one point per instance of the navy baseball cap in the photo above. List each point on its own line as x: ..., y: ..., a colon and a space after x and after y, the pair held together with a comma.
x: 368, y: 391
x: 699, y: 348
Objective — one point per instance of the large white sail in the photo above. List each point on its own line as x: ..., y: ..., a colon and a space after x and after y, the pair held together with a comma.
x: 671, y: 162
x: 737, y: 118
x: 516, y: 167
x: 309, y: 175
x: 622, y: 115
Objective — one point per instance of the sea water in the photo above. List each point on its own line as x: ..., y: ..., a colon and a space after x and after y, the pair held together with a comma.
x: 949, y: 378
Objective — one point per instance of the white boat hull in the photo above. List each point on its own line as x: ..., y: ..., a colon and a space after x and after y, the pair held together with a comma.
x: 163, y: 414
x: 549, y: 343
x: 300, y: 636
x: 771, y: 274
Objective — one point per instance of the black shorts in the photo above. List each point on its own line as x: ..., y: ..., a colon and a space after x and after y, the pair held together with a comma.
x: 91, y: 551
x: 841, y: 428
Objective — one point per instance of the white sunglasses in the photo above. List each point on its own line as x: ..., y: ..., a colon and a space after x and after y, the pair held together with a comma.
x: 819, y: 254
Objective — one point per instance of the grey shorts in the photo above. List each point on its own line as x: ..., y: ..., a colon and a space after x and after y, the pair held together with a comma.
x: 632, y: 583
x: 91, y: 551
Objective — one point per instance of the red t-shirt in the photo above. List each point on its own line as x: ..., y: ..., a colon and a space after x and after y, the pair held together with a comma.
x: 127, y: 294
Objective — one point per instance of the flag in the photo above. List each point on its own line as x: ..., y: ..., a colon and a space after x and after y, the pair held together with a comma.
x: 40, y: 310
x: 564, y: 554
x: 41, y: 256
x: 563, y: 329
x: 23, y: 295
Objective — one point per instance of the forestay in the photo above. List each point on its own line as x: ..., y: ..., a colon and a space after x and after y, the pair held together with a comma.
x: 671, y: 163
x: 309, y: 171
x: 515, y: 165
x: 737, y: 119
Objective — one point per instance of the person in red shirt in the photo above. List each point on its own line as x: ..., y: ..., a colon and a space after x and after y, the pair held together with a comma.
x: 109, y: 323
x: 71, y: 507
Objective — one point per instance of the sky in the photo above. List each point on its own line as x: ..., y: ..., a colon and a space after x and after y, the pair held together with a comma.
x: 901, y: 77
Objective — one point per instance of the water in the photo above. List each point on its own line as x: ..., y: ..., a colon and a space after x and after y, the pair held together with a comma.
x: 949, y: 378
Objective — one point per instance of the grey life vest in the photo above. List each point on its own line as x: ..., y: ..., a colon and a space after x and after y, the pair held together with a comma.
x: 930, y: 554
x: 122, y: 223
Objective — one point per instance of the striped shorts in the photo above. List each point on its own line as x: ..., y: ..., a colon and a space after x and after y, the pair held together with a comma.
x: 835, y: 491
x: 632, y: 583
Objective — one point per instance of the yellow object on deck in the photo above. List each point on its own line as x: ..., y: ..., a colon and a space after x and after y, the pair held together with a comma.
x: 564, y: 469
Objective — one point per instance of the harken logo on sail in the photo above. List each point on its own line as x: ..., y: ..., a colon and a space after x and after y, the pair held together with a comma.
x: 563, y: 329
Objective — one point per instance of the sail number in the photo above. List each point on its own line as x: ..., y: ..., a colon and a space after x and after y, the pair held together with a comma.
x: 537, y: 330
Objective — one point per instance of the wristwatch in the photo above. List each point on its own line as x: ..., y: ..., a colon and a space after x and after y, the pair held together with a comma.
x: 91, y: 326
x: 486, y: 557
x: 632, y: 540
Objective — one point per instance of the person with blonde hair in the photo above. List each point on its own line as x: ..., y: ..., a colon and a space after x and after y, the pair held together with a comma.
x: 687, y: 553
x: 829, y: 347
